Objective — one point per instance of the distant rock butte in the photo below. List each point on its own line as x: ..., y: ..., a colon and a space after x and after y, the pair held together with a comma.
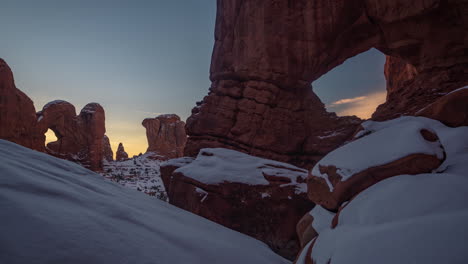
x: 80, y: 138
x: 166, y: 135
x: 107, y: 152
x: 267, y: 53
x: 121, y: 155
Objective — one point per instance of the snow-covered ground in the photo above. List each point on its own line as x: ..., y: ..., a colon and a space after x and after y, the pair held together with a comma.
x: 55, y: 211
x: 140, y: 173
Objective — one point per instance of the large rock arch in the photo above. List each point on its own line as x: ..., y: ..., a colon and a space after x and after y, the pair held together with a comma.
x: 267, y: 53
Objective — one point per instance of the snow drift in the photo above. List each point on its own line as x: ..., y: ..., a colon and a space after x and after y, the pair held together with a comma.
x: 55, y: 211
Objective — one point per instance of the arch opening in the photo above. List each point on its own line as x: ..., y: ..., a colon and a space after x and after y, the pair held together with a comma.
x: 50, y: 136
x: 355, y: 87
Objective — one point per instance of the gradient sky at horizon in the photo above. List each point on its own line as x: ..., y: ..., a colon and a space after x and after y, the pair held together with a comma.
x: 141, y: 58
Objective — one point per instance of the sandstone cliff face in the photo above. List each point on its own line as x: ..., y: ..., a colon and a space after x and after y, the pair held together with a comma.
x: 166, y: 135
x: 17, y: 113
x: 120, y: 154
x: 267, y: 52
x: 80, y: 138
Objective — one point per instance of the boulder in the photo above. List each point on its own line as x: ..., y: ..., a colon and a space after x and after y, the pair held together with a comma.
x: 451, y: 109
x: 121, y: 155
x: 258, y: 197
x: 406, y: 148
x: 166, y: 135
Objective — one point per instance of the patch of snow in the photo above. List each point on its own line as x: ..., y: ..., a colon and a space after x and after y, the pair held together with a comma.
x: 179, y: 162
x: 55, y: 211
x: 201, y: 192
x: 403, y: 219
x: 383, y: 143
x: 218, y: 165
x: 40, y: 118
x: 265, y: 195
x: 332, y: 134
x: 49, y: 104
x: 322, y: 218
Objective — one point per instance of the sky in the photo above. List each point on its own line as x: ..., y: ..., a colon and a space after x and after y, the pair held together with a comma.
x: 140, y: 58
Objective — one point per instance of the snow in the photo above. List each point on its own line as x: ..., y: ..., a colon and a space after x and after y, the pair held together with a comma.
x: 49, y: 104
x: 403, y: 219
x: 40, y: 118
x: 55, y: 211
x: 179, y: 162
x: 383, y: 142
x: 218, y: 165
x: 140, y: 173
x: 322, y: 218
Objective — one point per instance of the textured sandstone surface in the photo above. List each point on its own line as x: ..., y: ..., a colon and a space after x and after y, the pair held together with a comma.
x: 166, y: 135
x: 267, y: 52
x: 107, y: 152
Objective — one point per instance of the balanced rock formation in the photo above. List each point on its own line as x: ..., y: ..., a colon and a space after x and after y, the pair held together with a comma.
x: 166, y: 135
x: 258, y: 197
x: 17, y: 113
x: 79, y: 138
x: 121, y: 155
x: 267, y: 52
x: 107, y: 152
x: 387, y: 220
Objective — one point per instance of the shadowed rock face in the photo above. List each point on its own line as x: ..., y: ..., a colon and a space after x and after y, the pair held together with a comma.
x: 120, y: 154
x: 107, y: 152
x: 80, y: 138
x: 17, y: 113
x: 166, y: 135
x: 267, y: 52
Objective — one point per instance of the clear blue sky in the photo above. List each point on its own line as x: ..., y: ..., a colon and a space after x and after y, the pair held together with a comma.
x: 136, y: 58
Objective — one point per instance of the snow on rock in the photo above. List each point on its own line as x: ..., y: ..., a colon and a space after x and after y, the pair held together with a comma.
x: 218, y: 165
x: 322, y: 218
x: 404, y: 219
x: 407, y: 145
x: 55, y: 211
x: 261, y: 198
x: 382, y: 146
x: 49, y: 104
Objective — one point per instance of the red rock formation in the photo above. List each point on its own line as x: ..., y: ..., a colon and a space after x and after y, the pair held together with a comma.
x: 107, y: 152
x: 121, y: 155
x: 166, y: 135
x: 80, y: 138
x: 451, y: 109
x: 17, y: 113
x: 267, y: 52
x: 261, y: 198
x: 304, y: 229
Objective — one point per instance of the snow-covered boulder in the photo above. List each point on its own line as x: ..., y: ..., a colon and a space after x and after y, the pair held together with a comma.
x: 407, y: 147
x: 55, y: 211
x: 258, y: 197
x: 403, y: 219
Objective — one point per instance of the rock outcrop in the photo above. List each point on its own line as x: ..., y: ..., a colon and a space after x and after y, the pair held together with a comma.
x: 268, y: 52
x: 389, y: 208
x: 17, y: 113
x: 451, y: 109
x: 107, y: 152
x: 79, y: 137
x: 258, y: 197
x: 121, y: 155
x: 166, y: 135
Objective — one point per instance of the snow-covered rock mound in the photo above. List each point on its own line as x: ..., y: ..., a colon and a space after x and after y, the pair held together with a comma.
x: 403, y: 219
x: 55, y: 211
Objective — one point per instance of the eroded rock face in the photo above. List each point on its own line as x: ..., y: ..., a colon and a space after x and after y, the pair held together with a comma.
x: 261, y: 198
x: 80, y: 138
x: 121, y: 154
x: 107, y: 152
x: 451, y: 109
x: 17, y: 113
x: 166, y: 135
x: 268, y: 52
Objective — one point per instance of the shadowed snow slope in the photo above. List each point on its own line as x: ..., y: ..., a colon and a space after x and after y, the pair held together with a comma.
x: 54, y: 211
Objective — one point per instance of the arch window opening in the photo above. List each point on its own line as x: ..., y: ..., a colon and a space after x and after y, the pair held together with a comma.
x: 355, y: 87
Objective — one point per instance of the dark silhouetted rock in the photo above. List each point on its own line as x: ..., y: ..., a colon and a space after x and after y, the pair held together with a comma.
x: 121, y: 155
